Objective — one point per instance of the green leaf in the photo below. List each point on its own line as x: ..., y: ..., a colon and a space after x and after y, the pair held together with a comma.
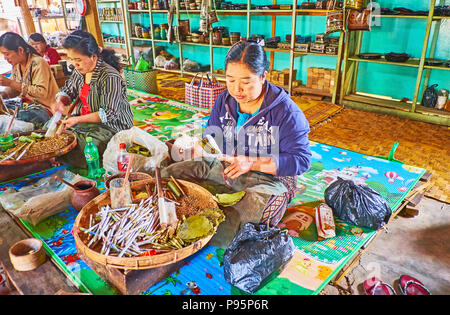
x: 228, y: 200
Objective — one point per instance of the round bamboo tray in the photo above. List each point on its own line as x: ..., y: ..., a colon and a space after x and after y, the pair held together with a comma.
x: 43, y: 157
x: 198, y: 196
x: 27, y: 254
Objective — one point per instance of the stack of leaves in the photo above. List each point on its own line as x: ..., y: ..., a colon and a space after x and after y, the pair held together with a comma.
x: 200, y: 225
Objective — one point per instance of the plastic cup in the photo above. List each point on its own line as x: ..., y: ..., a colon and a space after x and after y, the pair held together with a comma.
x: 120, y: 193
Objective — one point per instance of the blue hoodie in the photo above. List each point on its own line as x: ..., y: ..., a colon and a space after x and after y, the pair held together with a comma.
x: 279, y: 130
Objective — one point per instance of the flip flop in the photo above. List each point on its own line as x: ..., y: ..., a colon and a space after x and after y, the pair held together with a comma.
x: 375, y: 286
x: 411, y: 286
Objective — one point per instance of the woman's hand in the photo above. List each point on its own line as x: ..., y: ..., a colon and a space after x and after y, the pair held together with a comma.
x: 4, y: 81
x: 70, y: 122
x: 239, y: 165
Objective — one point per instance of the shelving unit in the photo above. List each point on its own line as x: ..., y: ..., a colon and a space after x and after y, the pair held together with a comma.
x: 70, y: 19
x: 115, y: 28
x: 413, y: 109
x: 250, y: 14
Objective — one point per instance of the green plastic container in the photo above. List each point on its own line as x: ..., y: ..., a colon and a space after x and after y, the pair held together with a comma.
x: 6, y: 143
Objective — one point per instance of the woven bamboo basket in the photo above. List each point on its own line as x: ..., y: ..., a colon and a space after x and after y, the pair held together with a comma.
x: 199, y: 199
x: 43, y: 157
x: 27, y: 254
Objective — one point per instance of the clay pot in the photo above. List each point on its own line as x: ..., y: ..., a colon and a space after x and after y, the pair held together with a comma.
x: 85, y: 191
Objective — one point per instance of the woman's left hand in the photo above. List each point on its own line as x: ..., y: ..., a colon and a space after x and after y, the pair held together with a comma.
x: 239, y: 165
x: 70, y: 122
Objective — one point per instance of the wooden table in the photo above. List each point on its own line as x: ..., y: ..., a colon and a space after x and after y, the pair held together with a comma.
x: 47, y: 279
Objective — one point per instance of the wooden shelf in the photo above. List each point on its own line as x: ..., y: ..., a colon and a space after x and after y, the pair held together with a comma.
x: 278, y: 50
x: 409, y: 63
x: 109, y: 21
x: 302, y: 89
x: 142, y: 39
x: 385, y: 102
x: 194, y: 44
x: 301, y: 54
x: 398, y: 16
x: 436, y: 67
x: 432, y: 111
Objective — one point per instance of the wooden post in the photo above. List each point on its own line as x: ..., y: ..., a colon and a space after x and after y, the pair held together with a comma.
x: 92, y: 22
x: 27, y: 18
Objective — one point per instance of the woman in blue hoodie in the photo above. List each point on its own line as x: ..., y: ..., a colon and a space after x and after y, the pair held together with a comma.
x: 263, y: 136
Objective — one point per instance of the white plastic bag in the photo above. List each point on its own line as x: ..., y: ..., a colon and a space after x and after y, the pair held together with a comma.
x: 158, y: 150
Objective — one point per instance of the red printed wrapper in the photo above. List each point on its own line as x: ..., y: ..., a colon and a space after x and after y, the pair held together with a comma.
x: 325, y: 222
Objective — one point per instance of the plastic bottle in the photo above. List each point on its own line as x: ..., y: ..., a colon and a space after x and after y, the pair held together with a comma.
x: 92, y: 158
x: 123, y: 158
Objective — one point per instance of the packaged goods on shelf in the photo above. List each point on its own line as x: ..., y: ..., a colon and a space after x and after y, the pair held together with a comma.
x: 318, y: 48
x: 331, y: 50
x: 302, y: 47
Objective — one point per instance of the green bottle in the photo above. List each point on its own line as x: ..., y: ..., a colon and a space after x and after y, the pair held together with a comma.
x: 92, y: 158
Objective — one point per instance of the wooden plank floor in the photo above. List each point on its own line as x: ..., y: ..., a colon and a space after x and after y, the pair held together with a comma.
x: 420, y: 144
x: 47, y: 279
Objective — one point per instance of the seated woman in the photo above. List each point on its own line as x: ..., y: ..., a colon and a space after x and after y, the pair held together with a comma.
x: 38, y: 42
x: 263, y: 136
x: 103, y: 108
x: 31, y: 79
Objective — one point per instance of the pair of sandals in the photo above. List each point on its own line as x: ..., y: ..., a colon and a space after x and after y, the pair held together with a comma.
x: 407, y: 285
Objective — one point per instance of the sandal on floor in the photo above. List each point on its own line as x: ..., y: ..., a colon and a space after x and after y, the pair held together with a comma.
x: 411, y: 286
x: 375, y: 286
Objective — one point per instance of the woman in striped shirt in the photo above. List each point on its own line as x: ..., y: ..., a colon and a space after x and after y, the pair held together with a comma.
x: 103, y: 108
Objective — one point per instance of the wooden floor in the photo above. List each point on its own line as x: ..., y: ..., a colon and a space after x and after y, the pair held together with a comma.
x: 420, y: 144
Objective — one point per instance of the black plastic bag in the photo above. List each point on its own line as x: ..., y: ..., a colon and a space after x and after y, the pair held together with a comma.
x: 430, y: 96
x: 254, y: 253
x: 357, y: 204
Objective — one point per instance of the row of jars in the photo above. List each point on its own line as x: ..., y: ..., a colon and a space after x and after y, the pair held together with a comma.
x: 113, y: 39
x: 110, y: 14
x: 190, y: 4
x: 160, y: 31
x: 145, y: 5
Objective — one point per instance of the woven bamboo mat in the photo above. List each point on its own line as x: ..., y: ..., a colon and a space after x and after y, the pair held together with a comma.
x: 420, y: 144
x: 171, y: 86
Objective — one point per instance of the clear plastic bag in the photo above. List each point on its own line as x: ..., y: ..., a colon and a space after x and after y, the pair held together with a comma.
x: 18, y: 126
x: 158, y: 151
x: 45, y: 198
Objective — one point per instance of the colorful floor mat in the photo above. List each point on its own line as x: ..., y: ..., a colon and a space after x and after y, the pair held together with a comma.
x: 314, y: 263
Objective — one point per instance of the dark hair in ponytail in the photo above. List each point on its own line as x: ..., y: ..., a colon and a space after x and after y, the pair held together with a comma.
x: 250, y: 53
x: 13, y: 41
x: 36, y: 37
x: 86, y: 44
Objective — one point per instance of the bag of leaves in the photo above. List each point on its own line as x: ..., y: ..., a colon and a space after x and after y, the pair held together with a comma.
x: 357, y: 204
x: 254, y: 254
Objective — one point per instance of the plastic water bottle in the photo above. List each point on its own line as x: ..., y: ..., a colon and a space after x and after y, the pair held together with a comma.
x: 92, y: 158
x: 123, y: 158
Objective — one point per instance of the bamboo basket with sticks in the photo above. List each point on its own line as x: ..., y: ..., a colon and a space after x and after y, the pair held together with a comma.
x: 197, y: 200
